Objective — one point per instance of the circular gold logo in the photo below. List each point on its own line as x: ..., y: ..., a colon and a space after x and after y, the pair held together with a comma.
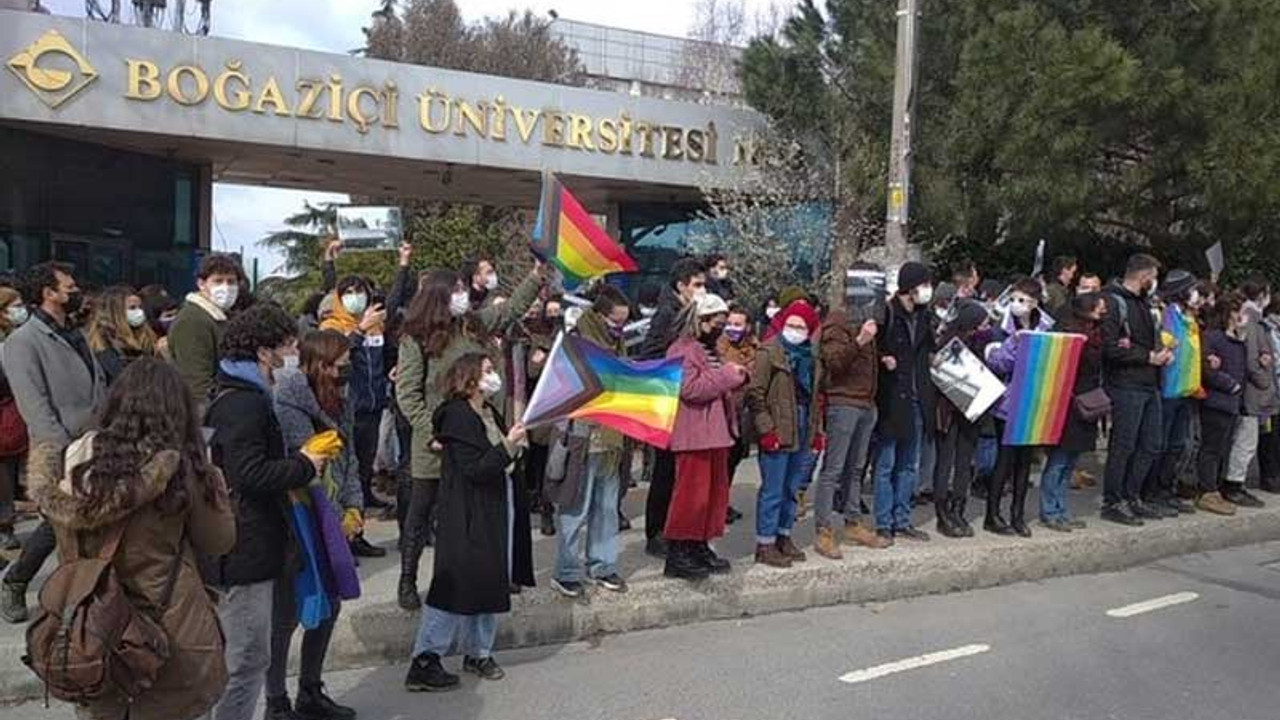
x: 52, y: 84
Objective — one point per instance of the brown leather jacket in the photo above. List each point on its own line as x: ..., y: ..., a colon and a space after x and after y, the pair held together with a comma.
x: 851, y: 371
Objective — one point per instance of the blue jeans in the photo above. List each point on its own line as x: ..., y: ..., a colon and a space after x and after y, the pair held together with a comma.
x: 597, y: 513
x: 1058, y: 470
x: 439, y: 630
x: 782, y: 475
x: 897, y: 472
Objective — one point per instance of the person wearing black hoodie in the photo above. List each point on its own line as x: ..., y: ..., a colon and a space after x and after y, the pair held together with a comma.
x: 1132, y: 356
x: 688, y: 280
x: 957, y: 436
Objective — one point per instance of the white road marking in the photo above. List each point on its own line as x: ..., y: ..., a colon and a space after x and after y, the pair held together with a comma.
x: 1149, y: 605
x: 879, y: 671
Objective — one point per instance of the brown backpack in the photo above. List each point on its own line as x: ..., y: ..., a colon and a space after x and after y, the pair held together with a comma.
x: 88, y: 639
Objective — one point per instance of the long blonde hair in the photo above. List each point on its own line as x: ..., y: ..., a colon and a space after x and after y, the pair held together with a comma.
x: 110, y: 327
x: 7, y: 296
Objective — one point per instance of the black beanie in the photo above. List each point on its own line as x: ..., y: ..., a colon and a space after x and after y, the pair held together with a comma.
x: 911, y: 276
x: 969, y: 315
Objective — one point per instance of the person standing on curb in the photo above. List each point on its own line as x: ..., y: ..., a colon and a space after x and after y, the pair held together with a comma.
x: 1260, y: 400
x: 957, y: 437
x: 1225, y: 374
x: 738, y: 345
x: 196, y: 332
x: 1180, y: 388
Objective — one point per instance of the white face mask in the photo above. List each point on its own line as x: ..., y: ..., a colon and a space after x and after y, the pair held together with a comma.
x: 795, y: 336
x: 17, y: 314
x: 1194, y: 301
x: 491, y: 281
x: 136, y: 317
x: 459, y: 303
x: 1020, y: 309
x: 224, y: 296
x: 924, y: 294
x: 491, y: 384
x: 355, y: 303
x: 721, y: 274
x: 291, y: 362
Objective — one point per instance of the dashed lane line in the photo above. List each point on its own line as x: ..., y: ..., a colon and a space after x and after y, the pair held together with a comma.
x: 879, y: 671
x: 1154, y: 604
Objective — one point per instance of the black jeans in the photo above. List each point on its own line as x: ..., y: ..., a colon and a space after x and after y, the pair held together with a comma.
x: 366, y: 441
x: 953, y: 471
x: 661, y: 485
x: 1014, y: 464
x: 1216, y: 431
x: 1175, y: 417
x: 535, y: 474
x: 1137, y: 438
x: 35, y: 551
x: 315, y: 643
x: 417, y: 521
x: 8, y: 491
x: 1269, y: 455
x: 404, y: 465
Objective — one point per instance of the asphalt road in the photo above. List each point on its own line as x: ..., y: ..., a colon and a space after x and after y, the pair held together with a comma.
x: 1191, y: 638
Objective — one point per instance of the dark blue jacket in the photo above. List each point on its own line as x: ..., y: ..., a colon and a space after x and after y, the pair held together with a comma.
x: 368, y: 389
x: 1226, y: 384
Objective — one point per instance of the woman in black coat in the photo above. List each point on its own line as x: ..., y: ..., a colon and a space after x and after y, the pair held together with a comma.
x: 1080, y: 436
x: 482, y: 536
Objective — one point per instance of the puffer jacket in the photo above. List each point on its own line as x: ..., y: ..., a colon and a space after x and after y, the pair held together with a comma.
x: 194, y: 676
x: 1226, y: 384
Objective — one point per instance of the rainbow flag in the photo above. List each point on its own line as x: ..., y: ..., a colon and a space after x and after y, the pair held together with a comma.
x: 583, y: 382
x: 1181, y: 378
x: 1042, y: 388
x: 570, y: 239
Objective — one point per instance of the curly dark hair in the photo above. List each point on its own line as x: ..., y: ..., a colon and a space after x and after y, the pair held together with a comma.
x: 148, y: 410
x: 463, y: 376
x: 218, y: 264
x: 40, y: 277
x: 264, y: 325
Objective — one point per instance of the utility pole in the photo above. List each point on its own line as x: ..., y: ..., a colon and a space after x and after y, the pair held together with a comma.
x: 904, y: 92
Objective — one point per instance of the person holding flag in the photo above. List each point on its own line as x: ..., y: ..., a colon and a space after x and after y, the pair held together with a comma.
x: 1180, y: 388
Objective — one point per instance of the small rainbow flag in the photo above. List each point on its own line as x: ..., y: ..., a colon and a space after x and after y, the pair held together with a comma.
x: 583, y: 382
x: 1181, y: 378
x: 569, y: 238
x: 1042, y: 388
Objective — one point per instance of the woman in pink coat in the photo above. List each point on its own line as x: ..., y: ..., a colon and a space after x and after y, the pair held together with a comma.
x: 705, y: 430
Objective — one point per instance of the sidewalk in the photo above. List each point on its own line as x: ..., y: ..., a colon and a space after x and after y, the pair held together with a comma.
x: 373, y: 631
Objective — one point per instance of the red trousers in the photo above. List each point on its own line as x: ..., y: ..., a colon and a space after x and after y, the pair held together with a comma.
x: 701, y: 496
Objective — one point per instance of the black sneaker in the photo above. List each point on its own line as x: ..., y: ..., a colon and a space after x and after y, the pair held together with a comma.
x: 568, y: 588
x: 1161, y: 507
x: 486, y: 668
x: 887, y: 536
x: 314, y: 704
x: 427, y: 674
x: 1057, y: 525
x: 278, y: 708
x: 655, y: 547
x: 1120, y: 515
x: 613, y: 583
x: 1237, y: 495
x: 1144, y: 511
x: 1180, y: 506
x: 363, y: 548
x: 731, y: 515
x: 1075, y: 524
x: 912, y: 533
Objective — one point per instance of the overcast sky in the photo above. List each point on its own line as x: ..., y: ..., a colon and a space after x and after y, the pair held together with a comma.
x: 243, y: 214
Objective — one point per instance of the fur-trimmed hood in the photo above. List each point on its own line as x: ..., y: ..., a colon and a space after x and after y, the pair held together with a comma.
x: 49, y: 476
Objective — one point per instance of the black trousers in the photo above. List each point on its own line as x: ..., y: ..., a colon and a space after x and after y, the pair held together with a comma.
x: 535, y: 474
x: 8, y: 491
x: 953, y: 472
x: 1216, y: 432
x: 417, y: 523
x: 404, y: 465
x: 1013, y: 466
x: 661, y: 484
x: 35, y: 551
x: 366, y: 441
x: 1269, y: 456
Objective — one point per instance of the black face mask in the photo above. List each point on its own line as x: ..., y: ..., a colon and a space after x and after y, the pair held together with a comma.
x: 344, y: 375
x: 73, y: 304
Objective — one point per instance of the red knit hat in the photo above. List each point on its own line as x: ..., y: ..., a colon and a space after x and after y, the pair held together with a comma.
x: 798, y: 308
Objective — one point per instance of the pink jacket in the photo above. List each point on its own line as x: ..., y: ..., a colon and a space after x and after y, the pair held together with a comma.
x: 706, y: 420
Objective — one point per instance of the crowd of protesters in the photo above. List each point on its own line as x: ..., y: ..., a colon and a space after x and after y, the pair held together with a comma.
x: 179, y: 428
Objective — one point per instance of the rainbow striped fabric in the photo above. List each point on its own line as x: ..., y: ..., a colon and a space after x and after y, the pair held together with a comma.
x: 1042, y: 388
x: 570, y: 239
x: 583, y: 382
x: 1181, y: 333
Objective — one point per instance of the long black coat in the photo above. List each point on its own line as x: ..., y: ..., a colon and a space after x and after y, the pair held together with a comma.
x: 897, y: 391
x: 1081, y: 435
x: 470, y: 574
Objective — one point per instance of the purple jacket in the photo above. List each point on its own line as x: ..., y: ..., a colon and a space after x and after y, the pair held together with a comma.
x: 1002, y: 358
x: 706, y: 420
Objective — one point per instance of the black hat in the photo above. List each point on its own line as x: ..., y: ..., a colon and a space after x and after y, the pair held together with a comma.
x: 911, y: 276
x: 968, y: 315
x: 1176, y: 283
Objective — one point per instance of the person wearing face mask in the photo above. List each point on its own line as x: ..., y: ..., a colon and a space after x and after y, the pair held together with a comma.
x: 1225, y: 375
x: 248, y: 445
x: 705, y: 429
x: 905, y: 397
x: 1014, y: 462
x: 718, y: 281
x: 197, y: 330
x: 540, y: 333
x: 1269, y: 440
x: 363, y: 323
x: 161, y: 311
x: 312, y: 399
x: 1260, y: 400
x: 439, y: 328
x: 58, y: 385
x: 783, y: 396
x: 738, y: 345
x: 587, y: 496
x: 1132, y: 356
x: 482, y: 281
x: 1180, y: 388
x: 119, y: 333
x: 13, y: 313
x: 481, y: 550
x: 1089, y: 283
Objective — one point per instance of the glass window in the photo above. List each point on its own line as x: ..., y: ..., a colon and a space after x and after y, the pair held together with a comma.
x: 182, y: 209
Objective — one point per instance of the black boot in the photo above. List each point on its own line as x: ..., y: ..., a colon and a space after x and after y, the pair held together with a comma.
x: 314, y: 704
x: 994, y: 523
x: 426, y: 674
x: 683, y: 563
x: 278, y: 708
x: 946, y: 523
x: 959, y: 503
x: 547, y: 526
x: 1017, y: 512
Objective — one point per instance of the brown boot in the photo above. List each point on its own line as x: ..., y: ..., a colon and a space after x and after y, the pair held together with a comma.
x: 855, y: 534
x: 770, y: 555
x: 826, y: 545
x: 789, y: 549
x: 1216, y: 504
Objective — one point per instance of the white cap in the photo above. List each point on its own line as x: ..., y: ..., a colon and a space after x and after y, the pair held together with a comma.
x: 711, y: 304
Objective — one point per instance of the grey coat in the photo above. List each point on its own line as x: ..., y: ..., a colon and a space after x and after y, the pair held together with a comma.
x: 1260, y: 396
x: 301, y: 416
x: 56, y: 393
